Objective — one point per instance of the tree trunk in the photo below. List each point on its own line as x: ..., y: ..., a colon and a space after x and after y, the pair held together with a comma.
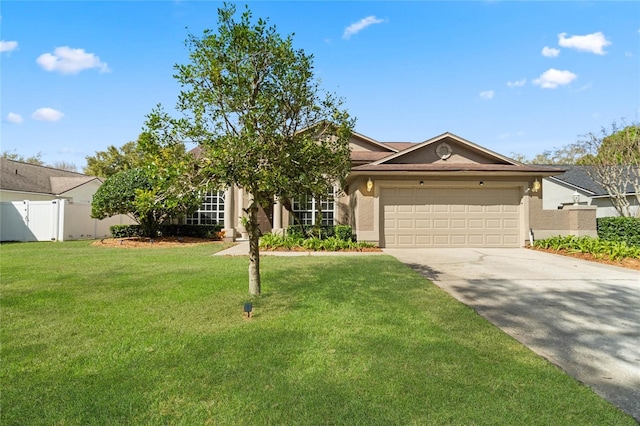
x: 254, y: 250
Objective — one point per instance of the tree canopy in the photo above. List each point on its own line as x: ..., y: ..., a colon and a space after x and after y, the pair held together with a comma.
x: 250, y: 100
x: 159, y: 188
x: 14, y: 156
x: 113, y: 160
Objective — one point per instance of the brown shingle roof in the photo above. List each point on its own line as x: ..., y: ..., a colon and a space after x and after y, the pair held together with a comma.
x: 368, y: 156
x: 26, y: 177
x: 400, y: 146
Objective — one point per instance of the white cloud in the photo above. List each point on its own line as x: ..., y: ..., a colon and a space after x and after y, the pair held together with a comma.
x: 47, y: 114
x: 628, y: 54
x: 70, y: 61
x: 550, y: 52
x: 518, y: 83
x: 593, y: 43
x: 14, y: 118
x: 8, y: 46
x: 585, y: 87
x: 487, y: 94
x: 356, y: 27
x: 552, y: 78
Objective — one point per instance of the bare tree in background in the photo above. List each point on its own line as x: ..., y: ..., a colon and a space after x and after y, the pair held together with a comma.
x: 613, y: 158
x: 64, y: 165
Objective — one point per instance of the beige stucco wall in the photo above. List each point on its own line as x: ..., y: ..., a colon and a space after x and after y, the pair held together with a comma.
x: 576, y: 220
x: 83, y: 193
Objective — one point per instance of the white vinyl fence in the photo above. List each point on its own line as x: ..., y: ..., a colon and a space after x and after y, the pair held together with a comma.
x: 54, y: 220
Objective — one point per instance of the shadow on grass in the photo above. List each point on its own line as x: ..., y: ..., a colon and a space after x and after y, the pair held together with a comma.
x: 592, y: 334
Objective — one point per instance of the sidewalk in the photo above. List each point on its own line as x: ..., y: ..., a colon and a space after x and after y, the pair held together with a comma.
x: 242, y: 249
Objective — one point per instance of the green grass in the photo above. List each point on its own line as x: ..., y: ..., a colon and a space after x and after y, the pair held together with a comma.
x: 94, y: 335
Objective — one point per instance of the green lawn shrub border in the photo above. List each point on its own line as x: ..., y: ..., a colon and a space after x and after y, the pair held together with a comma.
x: 342, y: 232
x: 287, y: 242
x: 196, y: 231
x: 622, y: 229
x: 614, y: 250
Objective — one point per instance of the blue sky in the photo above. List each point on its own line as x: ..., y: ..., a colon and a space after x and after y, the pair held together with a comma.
x: 519, y: 77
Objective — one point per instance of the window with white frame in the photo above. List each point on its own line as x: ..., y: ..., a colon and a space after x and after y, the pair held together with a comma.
x: 211, y: 212
x: 308, y: 209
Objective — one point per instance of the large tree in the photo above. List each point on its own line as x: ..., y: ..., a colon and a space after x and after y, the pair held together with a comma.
x: 251, y: 101
x: 613, y: 160
x: 161, y: 187
x: 113, y: 160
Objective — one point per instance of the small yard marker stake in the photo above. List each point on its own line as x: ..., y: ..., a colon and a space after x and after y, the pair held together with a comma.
x: 248, y: 307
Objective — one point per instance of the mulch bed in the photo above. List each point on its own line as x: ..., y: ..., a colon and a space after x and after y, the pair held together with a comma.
x: 160, y: 242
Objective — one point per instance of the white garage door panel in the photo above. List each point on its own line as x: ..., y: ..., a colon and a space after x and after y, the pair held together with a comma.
x: 455, y: 217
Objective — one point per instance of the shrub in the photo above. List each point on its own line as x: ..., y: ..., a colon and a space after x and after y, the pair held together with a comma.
x: 289, y: 242
x: 125, y: 231
x: 196, y: 231
x: 344, y: 232
x: 313, y: 243
x: 620, y: 229
x: 614, y: 250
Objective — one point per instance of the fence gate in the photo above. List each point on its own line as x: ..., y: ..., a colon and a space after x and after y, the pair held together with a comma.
x: 29, y: 220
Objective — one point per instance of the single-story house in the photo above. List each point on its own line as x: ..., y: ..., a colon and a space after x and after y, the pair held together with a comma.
x: 39, y: 203
x: 25, y: 181
x: 443, y: 192
x: 576, y: 185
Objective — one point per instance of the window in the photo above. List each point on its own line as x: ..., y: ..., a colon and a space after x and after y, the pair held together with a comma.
x: 308, y: 208
x: 211, y: 211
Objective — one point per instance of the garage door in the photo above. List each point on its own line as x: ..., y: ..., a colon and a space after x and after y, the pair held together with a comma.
x: 451, y: 217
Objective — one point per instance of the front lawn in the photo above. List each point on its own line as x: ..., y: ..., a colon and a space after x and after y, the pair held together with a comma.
x: 94, y: 335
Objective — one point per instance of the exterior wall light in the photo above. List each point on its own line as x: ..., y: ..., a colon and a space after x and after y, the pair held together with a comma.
x: 421, y: 183
x: 481, y: 183
x: 576, y: 198
x: 369, y: 185
x: 536, y: 186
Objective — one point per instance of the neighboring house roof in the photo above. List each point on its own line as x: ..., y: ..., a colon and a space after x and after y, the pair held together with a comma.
x: 26, y: 177
x: 578, y: 178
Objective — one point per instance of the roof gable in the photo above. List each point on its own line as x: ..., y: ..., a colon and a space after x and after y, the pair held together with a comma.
x: 462, y: 151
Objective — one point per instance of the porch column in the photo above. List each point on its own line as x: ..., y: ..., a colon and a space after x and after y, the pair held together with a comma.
x: 277, y: 218
x: 229, y: 230
x: 243, y: 196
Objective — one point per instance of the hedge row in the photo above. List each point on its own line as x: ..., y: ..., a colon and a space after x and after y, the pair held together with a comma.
x: 196, y: 231
x: 620, y: 229
x: 341, y: 232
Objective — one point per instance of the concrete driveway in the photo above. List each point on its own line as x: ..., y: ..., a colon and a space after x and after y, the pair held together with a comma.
x: 580, y: 315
